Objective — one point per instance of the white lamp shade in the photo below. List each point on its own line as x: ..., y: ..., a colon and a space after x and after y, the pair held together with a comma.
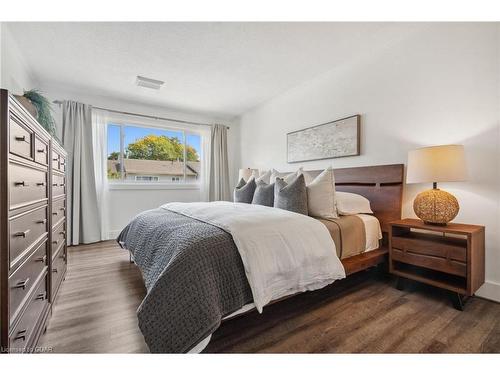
x: 246, y: 173
x: 436, y: 164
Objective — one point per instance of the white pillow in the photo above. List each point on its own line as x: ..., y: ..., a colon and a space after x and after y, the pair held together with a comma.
x: 289, y: 177
x: 265, y: 177
x: 352, y: 204
x: 321, y: 195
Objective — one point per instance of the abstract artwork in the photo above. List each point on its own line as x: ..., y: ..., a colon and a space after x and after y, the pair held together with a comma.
x: 333, y: 139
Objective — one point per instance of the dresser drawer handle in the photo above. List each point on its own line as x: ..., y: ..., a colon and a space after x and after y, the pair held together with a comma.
x: 54, y: 213
x: 21, y: 335
x: 41, y: 151
x: 42, y: 259
x: 22, y: 234
x: 20, y: 183
x: 22, y: 284
x: 62, y: 232
x: 62, y: 209
x: 40, y: 184
x: 54, y: 184
x: 20, y: 138
x: 55, y: 159
x: 44, y: 221
x: 54, y: 270
x: 61, y: 184
x: 41, y: 296
x: 55, y: 242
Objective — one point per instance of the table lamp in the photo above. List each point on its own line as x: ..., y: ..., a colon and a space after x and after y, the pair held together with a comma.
x: 436, y: 164
x: 246, y: 173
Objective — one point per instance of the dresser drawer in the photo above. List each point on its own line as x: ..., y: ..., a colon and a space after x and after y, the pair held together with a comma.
x: 58, y: 211
x: 22, y: 281
x: 22, y: 334
x: 58, y: 271
x: 25, y: 230
x: 41, y: 151
x: 58, y: 185
x: 432, y: 245
x: 62, y: 163
x: 21, y: 138
x: 58, y: 237
x: 27, y: 185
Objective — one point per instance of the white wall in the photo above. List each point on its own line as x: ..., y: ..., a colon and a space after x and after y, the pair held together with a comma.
x: 438, y: 85
x: 124, y: 204
x: 15, y: 73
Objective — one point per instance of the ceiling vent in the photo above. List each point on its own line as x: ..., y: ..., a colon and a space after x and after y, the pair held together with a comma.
x: 149, y: 83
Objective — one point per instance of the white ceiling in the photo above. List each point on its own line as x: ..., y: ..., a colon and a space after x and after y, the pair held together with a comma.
x: 218, y: 68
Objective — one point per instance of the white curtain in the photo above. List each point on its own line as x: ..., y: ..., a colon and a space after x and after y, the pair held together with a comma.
x: 219, y: 169
x: 205, y: 163
x: 99, y: 145
x: 84, y: 224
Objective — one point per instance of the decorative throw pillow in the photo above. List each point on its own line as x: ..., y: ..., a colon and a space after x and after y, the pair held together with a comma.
x: 321, y: 195
x: 243, y: 193
x: 292, y: 196
x: 289, y: 177
x: 352, y: 204
x: 264, y: 194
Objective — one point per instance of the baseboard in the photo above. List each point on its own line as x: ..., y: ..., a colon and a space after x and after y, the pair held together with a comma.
x: 112, y: 234
x: 490, y: 290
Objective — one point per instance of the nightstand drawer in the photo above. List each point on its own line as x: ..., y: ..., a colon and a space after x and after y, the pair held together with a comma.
x: 432, y: 245
x: 428, y: 261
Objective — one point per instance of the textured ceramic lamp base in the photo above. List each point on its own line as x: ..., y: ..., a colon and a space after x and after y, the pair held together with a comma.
x: 436, y: 207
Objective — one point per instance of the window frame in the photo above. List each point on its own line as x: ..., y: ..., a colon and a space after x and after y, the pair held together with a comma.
x: 121, y: 183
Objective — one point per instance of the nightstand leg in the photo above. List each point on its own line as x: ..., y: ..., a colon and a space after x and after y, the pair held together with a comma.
x: 458, y: 301
x: 400, y: 285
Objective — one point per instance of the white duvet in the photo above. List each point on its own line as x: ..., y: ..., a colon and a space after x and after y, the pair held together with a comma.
x: 283, y: 252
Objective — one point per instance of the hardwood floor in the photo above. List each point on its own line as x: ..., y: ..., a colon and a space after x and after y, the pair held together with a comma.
x: 95, y: 313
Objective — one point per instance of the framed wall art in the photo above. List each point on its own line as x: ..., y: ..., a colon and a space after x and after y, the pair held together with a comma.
x: 330, y: 140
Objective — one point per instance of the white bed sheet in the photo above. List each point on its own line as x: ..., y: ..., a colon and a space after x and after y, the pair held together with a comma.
x: 373, y: 231
x: 373, y: 235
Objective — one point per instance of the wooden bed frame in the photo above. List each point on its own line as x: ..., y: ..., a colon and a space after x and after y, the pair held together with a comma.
x: 382, y: 185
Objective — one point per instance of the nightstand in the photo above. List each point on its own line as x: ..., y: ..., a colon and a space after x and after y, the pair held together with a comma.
x: 449, y: 257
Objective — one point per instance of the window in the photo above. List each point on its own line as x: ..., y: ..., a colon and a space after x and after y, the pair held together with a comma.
x: 148, y: 154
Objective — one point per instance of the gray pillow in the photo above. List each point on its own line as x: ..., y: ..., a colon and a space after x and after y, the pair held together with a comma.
x: 264, y: 194
x: 243, y: 193
x: 292, y: 196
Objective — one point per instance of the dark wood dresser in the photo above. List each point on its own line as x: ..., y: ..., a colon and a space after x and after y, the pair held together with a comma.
x: 33, y: 252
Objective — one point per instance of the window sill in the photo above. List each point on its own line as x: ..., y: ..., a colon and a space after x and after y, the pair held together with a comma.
x: 151, y: 186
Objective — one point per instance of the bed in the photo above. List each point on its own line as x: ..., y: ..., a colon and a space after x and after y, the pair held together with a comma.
x: 206, y: 262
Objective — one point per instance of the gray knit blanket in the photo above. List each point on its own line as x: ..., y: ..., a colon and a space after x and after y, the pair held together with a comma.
x: 193, y: 274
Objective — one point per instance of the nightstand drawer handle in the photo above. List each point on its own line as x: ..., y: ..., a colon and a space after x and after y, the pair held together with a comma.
x: 20, y: 138
x: 21, y: 183
x: 41, y: 151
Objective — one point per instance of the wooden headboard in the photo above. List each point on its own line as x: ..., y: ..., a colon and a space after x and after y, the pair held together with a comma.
x: 381, y: 184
